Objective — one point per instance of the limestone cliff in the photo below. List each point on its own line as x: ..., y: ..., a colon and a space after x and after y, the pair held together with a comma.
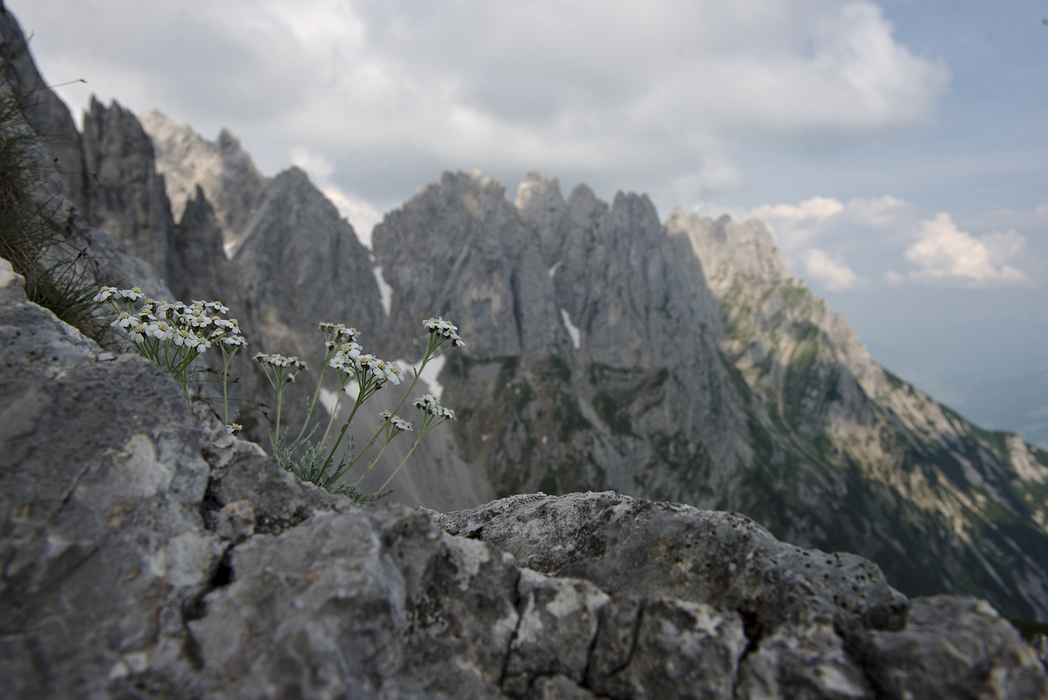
x: 745, y: 392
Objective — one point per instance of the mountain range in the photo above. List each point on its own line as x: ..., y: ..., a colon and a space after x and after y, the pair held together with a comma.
x: 607, y: 349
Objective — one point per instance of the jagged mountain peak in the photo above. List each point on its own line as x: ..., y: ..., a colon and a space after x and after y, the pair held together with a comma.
x: 728, y: 248
x: 224, y: 171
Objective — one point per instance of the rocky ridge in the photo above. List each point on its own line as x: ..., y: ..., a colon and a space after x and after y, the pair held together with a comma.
x: 602, y: 357
x: 151, y: 554
x: 744, y: 392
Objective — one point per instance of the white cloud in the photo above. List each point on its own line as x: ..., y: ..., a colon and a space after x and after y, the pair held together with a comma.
x: 797, y: 225
x: 665, y: 92
x: 944, y: 253
x: 833, y: 273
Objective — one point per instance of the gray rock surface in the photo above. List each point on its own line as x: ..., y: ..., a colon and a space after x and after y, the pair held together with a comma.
x: 124, y: 195
x: 148, y: 553
x: 221, y: 168
x: 482, y: 269
x: 606, y: 351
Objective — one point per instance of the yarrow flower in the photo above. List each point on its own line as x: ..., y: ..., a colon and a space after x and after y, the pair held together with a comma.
x: 280, y: 361
x: 398, y: 423
x: 105, y: 294
x: 428, y: 403
x: 446, y: 329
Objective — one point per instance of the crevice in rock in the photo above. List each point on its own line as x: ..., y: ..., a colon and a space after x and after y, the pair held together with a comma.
x: 590, y: 651
x: 517, y: 599
x: 518, y: 313
x: 753, y: 629
x: 72, y: 489
x: 210, y: 505
x: 224, y: 574
x: 192, y: 651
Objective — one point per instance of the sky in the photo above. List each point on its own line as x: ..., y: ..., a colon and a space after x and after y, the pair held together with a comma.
x: 898, y: 150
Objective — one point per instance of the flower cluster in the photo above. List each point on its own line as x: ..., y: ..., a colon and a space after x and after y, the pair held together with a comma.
x: 398, y: 424
x: 195, y: 326
x: 280, y: 362
x: 445, y: 330
x: 172, y: 334
x: 429, y: 404
x: 337, y: 334
x: 350, y: 362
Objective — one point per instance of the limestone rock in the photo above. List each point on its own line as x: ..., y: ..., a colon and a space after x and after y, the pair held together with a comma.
x: 459, y: 250
x: 222, y: 169
x: 148, y: 553
x: 45, y: 111
x: 124, y: 195
x: 207, y: 273
x: 806, y: 368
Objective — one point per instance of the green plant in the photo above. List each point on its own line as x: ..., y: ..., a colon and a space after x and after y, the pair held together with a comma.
x: 316, y: 463
x: 35, y: 236
x: 175, y: 334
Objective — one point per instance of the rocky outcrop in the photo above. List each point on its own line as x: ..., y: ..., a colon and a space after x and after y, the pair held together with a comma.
x: 222, y: 169
x: 124, y: 195
x: 459, y: 249
x: 870, y: 442
x: 150, y: 554
x: 745, y: 393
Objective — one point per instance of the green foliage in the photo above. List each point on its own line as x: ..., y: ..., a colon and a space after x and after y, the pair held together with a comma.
x: 614, y: 414
x: 34, y: 236
x: 569, y: 416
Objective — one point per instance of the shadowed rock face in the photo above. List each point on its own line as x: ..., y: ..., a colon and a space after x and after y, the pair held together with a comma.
x: 148, y: 553
x: 124, y: 195
x: 45, y: 111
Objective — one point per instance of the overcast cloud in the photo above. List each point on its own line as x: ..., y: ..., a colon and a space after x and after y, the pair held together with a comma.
x: 894, y: 147
x: 650, y: 95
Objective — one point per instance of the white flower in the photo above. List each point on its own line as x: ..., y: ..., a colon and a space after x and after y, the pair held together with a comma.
x: 105, y: 293
x: 401, y: 424
x: 124, y: 321
x: 236, y: 340
x: 228, y: 325
x: 234, y: 428
x: 161, y: 330
x: 427, y: 403
x: 133, y: 294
